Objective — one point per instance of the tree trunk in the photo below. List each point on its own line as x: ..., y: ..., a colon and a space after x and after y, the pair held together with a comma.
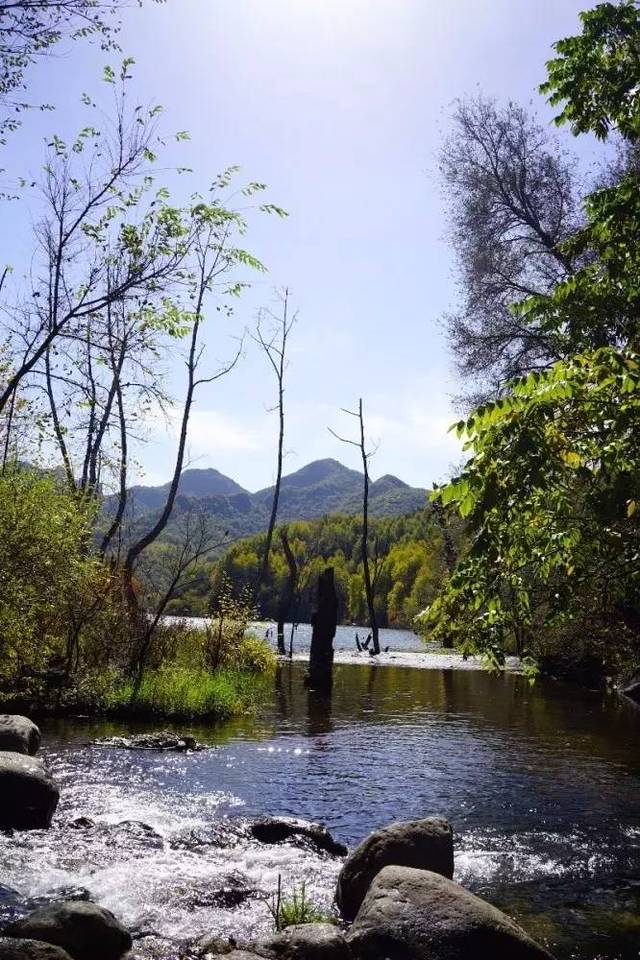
x: 291, y: 594
x: 324, y: 620
x: 368, y: 582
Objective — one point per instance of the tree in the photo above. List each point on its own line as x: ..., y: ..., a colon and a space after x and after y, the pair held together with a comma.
x: 214, y: 256
x: 274, y: 346
x: 180, y: 565
x: 108, y: 236
x: 551, y: 490
x: 30, y: 29
x: 371, y: 566
x: 122, y: 278
x: 512, y: 197
x: 324, y: 620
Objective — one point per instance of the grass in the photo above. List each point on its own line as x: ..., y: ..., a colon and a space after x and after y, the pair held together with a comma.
x: 181, y: 693
x: 295, y: 909
x: 173, y: 692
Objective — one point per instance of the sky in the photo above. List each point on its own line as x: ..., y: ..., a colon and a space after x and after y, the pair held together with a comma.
x: 341, y: 107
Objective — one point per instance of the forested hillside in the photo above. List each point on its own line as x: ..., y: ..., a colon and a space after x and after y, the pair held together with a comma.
x: 410, y: 567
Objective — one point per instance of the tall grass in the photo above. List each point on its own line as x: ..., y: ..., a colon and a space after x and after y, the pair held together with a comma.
x: 295, y: 909
x: 179, y: 692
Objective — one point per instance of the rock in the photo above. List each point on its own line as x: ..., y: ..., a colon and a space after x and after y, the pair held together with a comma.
x: 81, y: 823
x: 411, y: 914
x: 53, y: 896
x: 132, y: 833
x: 277, y: 830
x: 12, y: 905
x: 84, y: 930
x: 234, y: 955
x: 18, y: 734
x: 164, y: 740
x: 11, y: 949
x: 227, y: 892
x: 219, y: 833
x: 220, y: 948
x: 28, y: 795
x: 213, y: 947
x: 308, y: 941
x: 424, y: 844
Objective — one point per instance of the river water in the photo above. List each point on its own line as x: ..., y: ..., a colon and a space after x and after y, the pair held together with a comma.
x: 542, y: 785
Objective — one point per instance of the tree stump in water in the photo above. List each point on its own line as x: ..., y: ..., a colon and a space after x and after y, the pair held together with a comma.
x: 323, y: 621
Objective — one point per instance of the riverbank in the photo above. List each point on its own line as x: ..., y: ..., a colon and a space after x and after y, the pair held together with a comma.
x: 168, y: 693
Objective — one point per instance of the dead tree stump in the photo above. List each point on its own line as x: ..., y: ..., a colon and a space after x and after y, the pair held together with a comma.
x: 323, y: 621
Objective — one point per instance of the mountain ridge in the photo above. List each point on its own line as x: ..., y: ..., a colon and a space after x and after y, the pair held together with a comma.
x: 316, y: 489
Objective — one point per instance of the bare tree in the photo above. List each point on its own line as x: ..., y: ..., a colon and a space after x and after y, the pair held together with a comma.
x: 370, y: 568
x: 197, y: 540
x: 513, y: 197
x: 290, y: 598
x: 274, y: 344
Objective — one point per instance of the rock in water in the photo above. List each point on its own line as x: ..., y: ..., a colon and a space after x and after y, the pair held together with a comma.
x: 28, y: 795
x: 164, y: 740
x: 424, y: 844
x: 280, y: 829
x: 308, y: 941
x: 11, y: 949
x: 18, y: 734
x: 84, y: 930
x: 413, y: 914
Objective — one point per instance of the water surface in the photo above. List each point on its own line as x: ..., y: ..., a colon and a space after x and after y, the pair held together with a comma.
x: 541, y: 785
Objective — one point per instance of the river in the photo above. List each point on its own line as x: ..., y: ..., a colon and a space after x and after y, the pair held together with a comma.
x: 540, y: 783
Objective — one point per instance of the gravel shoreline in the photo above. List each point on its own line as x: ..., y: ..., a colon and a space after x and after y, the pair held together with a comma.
x: 417, y: 659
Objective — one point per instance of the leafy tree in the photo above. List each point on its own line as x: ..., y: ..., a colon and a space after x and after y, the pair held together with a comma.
x: 552, y: 488
x: 411, y: 554
x: 31, y: 29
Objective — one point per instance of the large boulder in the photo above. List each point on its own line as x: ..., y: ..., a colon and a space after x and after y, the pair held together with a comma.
x: 85, y: 930
x: 307, y: 941
x: 18, y: 734
x: 28, y: 795
x: 281, y: 829
x: 11, y: 949
x: 413, y: 914
x: 425, y: 844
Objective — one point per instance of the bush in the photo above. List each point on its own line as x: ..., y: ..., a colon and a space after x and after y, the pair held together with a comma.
x: 58, y: 608
x: 252, y: 654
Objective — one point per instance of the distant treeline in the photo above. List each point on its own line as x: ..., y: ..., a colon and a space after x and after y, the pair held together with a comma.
x: 407, y: 554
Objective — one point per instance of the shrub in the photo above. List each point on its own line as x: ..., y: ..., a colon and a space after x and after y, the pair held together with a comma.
x: 57, y: 604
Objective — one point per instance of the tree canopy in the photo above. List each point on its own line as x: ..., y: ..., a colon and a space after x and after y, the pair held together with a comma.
x: 551, y: 490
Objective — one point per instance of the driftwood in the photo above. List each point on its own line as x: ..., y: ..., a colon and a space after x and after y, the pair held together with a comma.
x: 324, y: 620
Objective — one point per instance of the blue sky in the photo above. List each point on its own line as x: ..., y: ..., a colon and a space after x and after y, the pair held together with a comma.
x: 340, y: 107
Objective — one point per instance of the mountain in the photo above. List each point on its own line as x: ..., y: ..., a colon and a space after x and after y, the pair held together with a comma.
x: 193, y: 483
x: 319, y: 488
